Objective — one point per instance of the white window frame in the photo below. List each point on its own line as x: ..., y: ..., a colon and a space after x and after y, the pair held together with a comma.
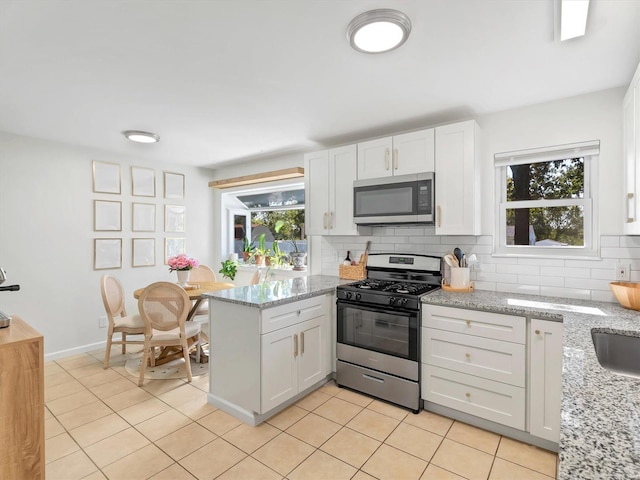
x: 590, y: 152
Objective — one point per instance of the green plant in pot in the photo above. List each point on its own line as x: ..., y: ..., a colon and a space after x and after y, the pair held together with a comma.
x: 229, y: 269
x: 261, y: 252
x: 279, y: 257
x: 248, y: 248
x: 297, y: 257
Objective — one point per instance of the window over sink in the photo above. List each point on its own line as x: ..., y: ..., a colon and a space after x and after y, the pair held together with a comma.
x: 545, y: 201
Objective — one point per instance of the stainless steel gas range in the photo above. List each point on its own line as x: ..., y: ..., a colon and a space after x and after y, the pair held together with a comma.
x: 378, y: 327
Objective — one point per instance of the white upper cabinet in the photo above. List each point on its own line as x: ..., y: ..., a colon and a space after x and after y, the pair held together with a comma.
x: 457, y: 167
x: 398, y: 155
x: 631, y: 145
x: 329, y: 176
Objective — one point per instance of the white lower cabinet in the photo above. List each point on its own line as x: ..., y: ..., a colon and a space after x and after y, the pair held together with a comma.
x: 262, y: 358
x: 545, y: 382
x: 292, y: 360
x: 490, y: 366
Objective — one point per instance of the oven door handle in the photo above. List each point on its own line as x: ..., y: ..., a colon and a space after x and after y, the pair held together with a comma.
x: 378, y: 308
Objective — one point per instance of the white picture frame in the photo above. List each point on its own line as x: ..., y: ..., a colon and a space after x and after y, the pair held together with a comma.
x: 173, y: 185
x: 174, y: 218
x: 143, y: 182
x: 106, y: 177
x: 143, y: 217
x: 107, y: 216
x: 173, y: 247
x: 143, y: 252
x: 107, y: 253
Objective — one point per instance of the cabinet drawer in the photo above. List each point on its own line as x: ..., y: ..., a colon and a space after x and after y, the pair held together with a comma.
x: 498, y: 326
x: 291, y: 313
x: 483, y: 398
x: 482, y: 357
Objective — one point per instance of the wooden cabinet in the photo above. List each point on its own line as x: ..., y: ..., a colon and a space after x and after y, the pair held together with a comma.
x: 631, y: 152
x: 402, y: 154
x: 329, y: 176
x: 458, y: 179
x: 545, y: 389
x: 21, y: 402
x: 262, y: 359
x: 466, y: 368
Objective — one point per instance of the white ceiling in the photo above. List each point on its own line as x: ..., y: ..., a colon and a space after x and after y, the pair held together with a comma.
x: 231, y: 80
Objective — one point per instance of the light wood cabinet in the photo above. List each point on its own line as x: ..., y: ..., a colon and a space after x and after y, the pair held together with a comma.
x: 329, y: 176
x: 545, y: 389
x: 21, y: 402
x: 402, y: 154
x: 631, y: 151
x: 458, y: 179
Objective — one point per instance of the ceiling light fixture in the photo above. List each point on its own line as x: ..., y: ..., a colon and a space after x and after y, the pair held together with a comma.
x: 141, y: 137
x: 573, y: 18
x: 378, y: 31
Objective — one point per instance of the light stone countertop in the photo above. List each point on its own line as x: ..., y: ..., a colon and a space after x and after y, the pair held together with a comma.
x: 279, y: 292
x: 600, y: 424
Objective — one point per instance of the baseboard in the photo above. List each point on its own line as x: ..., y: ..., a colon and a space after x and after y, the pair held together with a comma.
x: 74, y: 351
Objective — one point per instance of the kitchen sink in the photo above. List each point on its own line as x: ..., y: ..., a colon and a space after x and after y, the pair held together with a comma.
x: 617, y: 351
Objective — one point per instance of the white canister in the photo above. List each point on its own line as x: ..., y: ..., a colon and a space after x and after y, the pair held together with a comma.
x: 460, y: 277
x: 233, y: 257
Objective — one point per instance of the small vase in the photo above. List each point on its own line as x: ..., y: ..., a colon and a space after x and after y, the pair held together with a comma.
x: 183, y: 277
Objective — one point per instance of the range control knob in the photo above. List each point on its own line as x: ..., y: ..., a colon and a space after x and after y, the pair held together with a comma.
x: 392, y: 300
x: 349, y: 295
x: 358, y: 297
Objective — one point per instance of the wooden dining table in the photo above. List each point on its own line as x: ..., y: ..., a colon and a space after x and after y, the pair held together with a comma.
x: 196, y: 293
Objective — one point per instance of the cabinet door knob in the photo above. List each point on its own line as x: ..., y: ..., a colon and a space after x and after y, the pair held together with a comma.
x: 537, y: 332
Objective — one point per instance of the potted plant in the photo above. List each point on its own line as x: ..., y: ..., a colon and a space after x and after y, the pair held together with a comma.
x: 279, y: 257
x: 261, y: 251
x: 247, y: 249
x: 297, y: 257
x: 182, y: 264
x: 229, y: 269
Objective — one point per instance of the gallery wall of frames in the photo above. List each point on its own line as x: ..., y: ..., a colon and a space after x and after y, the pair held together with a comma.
x: 148, y: 203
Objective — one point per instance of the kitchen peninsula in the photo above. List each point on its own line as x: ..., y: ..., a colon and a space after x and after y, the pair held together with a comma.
x: 271, y: 344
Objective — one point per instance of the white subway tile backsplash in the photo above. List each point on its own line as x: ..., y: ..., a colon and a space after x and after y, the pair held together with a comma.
x: 561, y: 277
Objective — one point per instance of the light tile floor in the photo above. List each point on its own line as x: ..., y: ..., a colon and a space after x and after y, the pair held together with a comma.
x: 100, y: 424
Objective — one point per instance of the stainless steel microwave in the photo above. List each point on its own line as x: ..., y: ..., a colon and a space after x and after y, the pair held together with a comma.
x: 394, y: 200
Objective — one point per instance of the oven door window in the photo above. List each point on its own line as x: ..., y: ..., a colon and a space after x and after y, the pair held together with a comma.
x: 391, y: 332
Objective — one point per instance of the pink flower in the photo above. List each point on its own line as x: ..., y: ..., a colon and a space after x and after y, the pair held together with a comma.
x: 182, y: 262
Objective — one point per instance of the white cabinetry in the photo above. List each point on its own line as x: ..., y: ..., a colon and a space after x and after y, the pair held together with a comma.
x: 403, y: 154
x: 329, y: 176
x: 262, y: 359
x: 467, y: 367
x: 545, y: 388
x: 631, y: 145
x: 457, y: 167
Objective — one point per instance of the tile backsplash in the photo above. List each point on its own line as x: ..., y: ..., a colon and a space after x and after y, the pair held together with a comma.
x: 556, y: 277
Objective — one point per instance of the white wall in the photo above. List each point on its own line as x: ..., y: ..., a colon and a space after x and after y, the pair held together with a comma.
x: 46, y: 236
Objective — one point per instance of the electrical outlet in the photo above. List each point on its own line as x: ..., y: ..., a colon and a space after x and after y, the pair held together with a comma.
x: 623, y: 271
x: 102, y: 322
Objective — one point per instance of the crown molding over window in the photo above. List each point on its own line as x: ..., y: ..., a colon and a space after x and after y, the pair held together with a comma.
x: 284, y: 174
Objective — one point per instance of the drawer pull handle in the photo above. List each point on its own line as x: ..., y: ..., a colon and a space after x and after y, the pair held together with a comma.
x: 468, y: 323
x: 537, y: 332
x: 298, y: 312
x: 468, y: 355
x: 468, y: 395
x: 375, y: 379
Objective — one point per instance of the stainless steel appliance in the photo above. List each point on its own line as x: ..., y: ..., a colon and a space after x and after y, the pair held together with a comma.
x: 5, y: 320
x: 394, y: 200
x: 378, y: 327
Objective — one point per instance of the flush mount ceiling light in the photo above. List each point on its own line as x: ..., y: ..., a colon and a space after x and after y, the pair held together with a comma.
x: 378, y: 31
x: 573, y: 18
x: 141, y: 137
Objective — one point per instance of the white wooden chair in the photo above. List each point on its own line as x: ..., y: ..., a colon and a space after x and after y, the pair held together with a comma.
x: 119, y: 321
x: 164, y: 308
